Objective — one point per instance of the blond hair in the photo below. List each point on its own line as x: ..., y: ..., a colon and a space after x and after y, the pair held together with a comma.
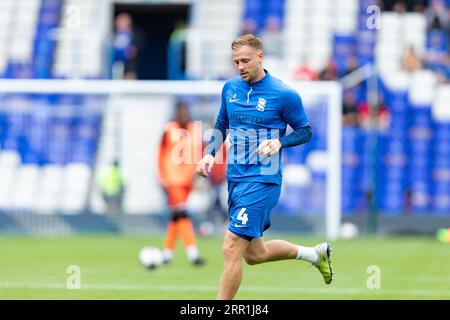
x: 247, y: 40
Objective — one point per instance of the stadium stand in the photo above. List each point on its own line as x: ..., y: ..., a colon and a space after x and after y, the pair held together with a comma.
x: 50, y: 143
x: 81, y: 40
x: 214, y: 24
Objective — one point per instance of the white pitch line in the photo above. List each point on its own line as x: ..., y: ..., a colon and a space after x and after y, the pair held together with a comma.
x: 206, y: 288
x: 423, y: 279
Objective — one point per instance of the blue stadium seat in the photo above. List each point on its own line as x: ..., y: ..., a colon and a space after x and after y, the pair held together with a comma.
x: 351, y: 198
x: 293, y: 200
x: 420, y: 147
x: 260, y: 10
x: 397, y: 101
x: 275, y: 8
x: 363, y: 4
x: 253, y: 10
x: 51, y: 4
x: 442, y: 130
x: 437, y: 40
x: 391, y: 203
x: 343, y: 45
x: 420, y: 116
x: 366, y: 38
x: 393, y: 173
x: 442, y: 161
x: 44, y: 45
x: 318, y: 185
x: 441, y: 204
x: 294, y: 155
x: 395, y: 147
x: 19, y: 70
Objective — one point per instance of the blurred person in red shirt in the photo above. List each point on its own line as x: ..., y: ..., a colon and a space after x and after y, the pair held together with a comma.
x: 383, y: 116
x: 305, y: 72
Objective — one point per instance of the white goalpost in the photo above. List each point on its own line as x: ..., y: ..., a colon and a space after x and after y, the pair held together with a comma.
x: 134, y: 114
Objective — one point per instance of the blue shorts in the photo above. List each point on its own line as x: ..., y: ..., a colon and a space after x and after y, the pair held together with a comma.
x: 249, y: 206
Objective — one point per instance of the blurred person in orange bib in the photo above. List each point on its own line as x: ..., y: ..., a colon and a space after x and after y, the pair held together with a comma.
x: 178, y: 148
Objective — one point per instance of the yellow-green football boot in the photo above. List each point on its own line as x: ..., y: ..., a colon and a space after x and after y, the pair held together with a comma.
x: 324, y: 264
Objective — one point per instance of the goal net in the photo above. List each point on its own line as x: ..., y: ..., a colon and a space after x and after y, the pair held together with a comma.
x: 56, y: 136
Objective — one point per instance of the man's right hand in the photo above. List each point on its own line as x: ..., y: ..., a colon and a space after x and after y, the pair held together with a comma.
x: 205, y: 165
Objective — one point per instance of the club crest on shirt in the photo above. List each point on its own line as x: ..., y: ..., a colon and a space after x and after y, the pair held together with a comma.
x: 261, y: 104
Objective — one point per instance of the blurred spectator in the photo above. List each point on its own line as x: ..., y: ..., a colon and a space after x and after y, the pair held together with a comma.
x: 112, y: 186
x: 437, y: 15
x: 349, y: 109
x: 124, y: 47
x: 330, y: 72
x: 437, y: 55
x: 438, y: 39
x: 400, y: 6
x: 177, y: 52
x: 351, y: 65
x: 443, y: 70
x: 272, y: 38
x: 419, y: 7
x: 305, y: 72
x: 249, y: 26
x: 410, y: 60
x: 365, y: 116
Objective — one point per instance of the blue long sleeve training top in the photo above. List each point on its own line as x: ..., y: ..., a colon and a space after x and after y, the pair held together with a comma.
x: 251, y: 113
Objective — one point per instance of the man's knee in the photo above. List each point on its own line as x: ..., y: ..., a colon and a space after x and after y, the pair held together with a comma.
x: 232, y: 247
x: 229, y: 249
x: 252, y: 258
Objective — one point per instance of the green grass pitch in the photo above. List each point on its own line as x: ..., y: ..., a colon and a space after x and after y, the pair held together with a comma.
x: 36, y: 268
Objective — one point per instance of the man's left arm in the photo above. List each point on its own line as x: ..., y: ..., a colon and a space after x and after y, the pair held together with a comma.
x: 294, y: 114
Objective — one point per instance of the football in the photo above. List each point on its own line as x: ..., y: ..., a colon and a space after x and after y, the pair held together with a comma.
x: 349, y: 230
x: 150, y: 257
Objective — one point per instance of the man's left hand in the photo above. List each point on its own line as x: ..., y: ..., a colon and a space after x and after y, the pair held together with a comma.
x: 269, y: 147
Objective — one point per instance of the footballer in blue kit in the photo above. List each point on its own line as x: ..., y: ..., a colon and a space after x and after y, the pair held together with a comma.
x: 256, y: 109
x: 252, y: 113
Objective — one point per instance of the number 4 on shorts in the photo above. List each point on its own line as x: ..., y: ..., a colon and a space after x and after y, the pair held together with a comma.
x: 242, y: 216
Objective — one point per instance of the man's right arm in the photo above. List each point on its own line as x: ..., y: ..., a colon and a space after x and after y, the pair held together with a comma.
x: 217, y: 138
x: 220, y: 127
